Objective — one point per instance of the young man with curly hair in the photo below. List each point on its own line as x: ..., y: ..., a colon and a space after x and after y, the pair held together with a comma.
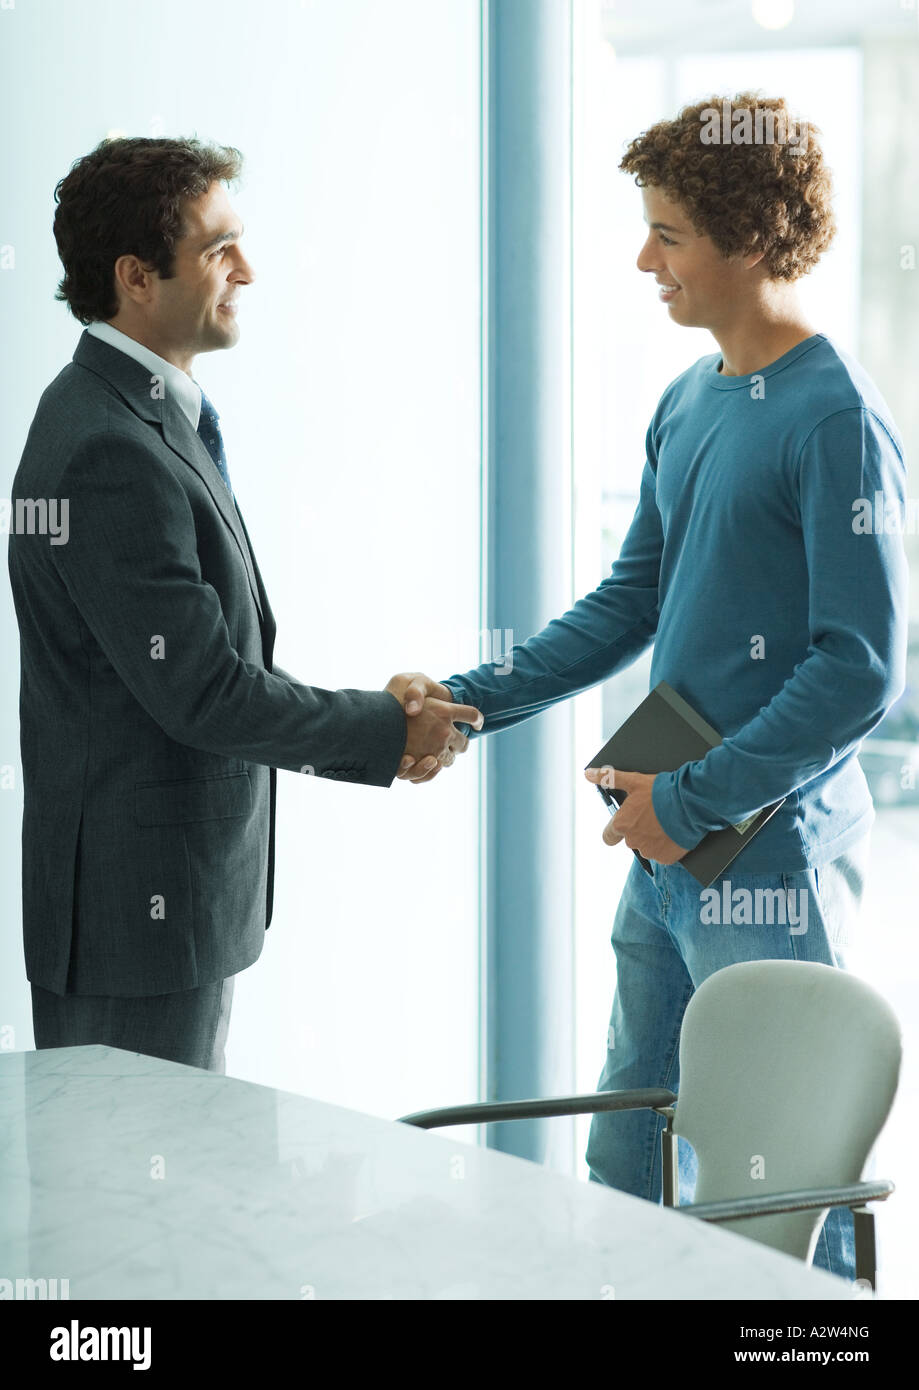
x: 769, y: 613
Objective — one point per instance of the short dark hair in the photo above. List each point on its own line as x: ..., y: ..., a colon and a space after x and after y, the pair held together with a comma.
x: 773, y: 196
x: 126, y: 198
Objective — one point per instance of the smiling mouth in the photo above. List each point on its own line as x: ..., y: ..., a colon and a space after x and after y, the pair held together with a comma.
x: 666, y: 292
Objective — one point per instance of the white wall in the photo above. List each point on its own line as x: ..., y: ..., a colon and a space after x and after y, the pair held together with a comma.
x: 350, y: 412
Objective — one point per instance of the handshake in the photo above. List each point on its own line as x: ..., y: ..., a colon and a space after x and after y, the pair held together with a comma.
x: 433, y: 739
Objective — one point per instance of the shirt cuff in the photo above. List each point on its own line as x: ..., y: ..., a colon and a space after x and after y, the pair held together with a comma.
x: 666, y: 802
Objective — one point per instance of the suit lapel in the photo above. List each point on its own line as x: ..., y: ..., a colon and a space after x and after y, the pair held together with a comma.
x: 180, y: 436
x: 132, y: 381
x: 269, y: 626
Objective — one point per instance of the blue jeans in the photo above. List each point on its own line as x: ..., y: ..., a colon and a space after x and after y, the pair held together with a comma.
x: 663, y: 953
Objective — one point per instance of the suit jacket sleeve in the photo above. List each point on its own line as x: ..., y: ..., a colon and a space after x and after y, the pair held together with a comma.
x: 130, y: 566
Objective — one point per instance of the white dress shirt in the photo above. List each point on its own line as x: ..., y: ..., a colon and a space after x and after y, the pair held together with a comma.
x: 186, y: 390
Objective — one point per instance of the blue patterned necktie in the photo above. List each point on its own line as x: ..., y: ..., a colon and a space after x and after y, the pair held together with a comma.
x: 209, y: 430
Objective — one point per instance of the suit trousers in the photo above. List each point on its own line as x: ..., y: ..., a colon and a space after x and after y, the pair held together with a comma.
x: 188, y: 1026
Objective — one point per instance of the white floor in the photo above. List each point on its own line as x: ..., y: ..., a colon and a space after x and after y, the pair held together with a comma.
x: 888, y: 957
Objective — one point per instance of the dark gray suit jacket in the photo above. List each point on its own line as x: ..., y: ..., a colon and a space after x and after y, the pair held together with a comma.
x: 151, y: 720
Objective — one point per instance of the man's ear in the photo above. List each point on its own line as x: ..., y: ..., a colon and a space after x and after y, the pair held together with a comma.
x: 134, y: 279
x: 753, y: 258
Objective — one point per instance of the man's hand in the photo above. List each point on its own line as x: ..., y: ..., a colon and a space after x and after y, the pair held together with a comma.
x: 430, y: 745
x: 635, y: 821
x: 412, y: 687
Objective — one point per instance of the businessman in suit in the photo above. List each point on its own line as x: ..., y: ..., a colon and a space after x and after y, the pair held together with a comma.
x: 152, y: 717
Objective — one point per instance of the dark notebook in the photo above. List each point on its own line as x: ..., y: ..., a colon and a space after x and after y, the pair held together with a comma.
x: 664, y: 733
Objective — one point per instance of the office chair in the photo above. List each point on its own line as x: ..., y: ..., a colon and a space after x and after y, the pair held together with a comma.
x: 788, y: 1070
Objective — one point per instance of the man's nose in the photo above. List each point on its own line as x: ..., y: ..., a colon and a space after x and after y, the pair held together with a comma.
x: 646, y: 260
x: 243, y: 272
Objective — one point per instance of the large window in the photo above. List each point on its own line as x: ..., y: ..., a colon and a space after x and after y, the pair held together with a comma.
x: 631, y: 70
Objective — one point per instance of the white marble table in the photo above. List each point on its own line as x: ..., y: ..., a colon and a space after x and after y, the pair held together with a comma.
x: 135, y: 1178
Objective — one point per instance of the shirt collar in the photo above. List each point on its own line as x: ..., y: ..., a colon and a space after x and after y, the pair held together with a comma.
x: 186, y: 391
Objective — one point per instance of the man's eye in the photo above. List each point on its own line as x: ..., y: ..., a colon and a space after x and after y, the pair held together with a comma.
x: 668, y: 241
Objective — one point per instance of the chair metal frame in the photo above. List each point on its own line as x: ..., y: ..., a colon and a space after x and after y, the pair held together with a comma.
x: 663, y: 1102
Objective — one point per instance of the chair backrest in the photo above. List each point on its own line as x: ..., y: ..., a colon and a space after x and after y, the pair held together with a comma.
x: 788, y: 1070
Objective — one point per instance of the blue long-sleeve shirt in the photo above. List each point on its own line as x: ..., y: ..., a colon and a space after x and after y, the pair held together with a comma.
x: 776, y: 603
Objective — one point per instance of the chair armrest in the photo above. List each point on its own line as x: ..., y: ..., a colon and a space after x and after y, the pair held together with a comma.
x: 805, y: 1200
x: 486, y: 1112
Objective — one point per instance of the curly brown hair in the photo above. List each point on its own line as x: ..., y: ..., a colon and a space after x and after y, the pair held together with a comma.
x: 126, y: 198
x: 774, y: 196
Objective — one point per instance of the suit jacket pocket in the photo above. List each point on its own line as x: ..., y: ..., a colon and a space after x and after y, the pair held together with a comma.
x: 199, y: 798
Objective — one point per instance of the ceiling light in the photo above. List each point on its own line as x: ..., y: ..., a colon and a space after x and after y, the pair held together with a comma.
x: 773, y: 14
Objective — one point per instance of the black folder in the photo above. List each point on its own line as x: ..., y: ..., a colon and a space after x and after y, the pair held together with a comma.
x: 661, y: 735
